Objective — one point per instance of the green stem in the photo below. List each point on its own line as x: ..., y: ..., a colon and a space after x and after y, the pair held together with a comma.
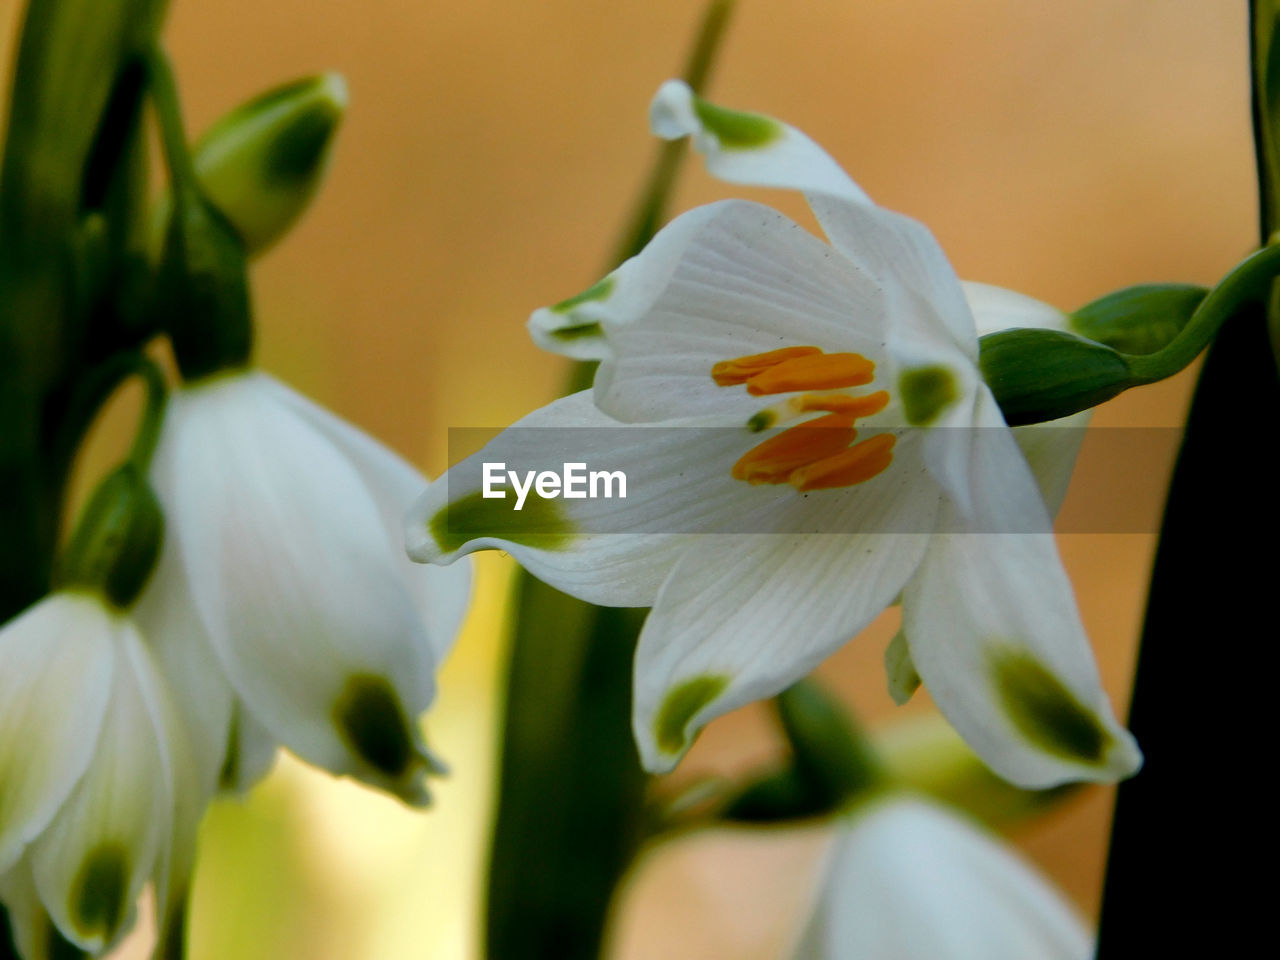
x: 148, y: 433
x: 1245, y: 283
x: 173, y: 138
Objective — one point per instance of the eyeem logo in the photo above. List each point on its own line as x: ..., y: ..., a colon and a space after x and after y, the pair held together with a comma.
x: 572, y: 483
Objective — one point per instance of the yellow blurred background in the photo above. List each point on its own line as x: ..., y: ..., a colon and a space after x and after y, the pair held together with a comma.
x: 489, y: 156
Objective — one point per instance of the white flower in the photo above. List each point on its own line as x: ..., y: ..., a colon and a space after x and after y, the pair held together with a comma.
x: 85, y: 774
x: 735, y: 321
x: 284, y: 534
x: 908, y: 879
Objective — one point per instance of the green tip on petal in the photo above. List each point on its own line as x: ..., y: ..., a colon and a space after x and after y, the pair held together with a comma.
x: 761, y: 421
x: 1046, y: 712
x: 926, y: 392
x: 580, y: 331
x: 682, y: 702
x: 600, y: 290
x: 541, y: 523
x: 737, y: 129
x: 373, y: 722
x: 98, y: 894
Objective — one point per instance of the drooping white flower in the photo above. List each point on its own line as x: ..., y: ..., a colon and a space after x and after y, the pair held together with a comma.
x: 284, y: 523
x: 733, y: 323
x: 908, y: 879
x: 85, y: 774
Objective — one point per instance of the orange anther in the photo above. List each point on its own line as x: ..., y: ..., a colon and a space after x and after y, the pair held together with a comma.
x: 841, y: 403
x: 859, y: 463
x: 827, y: 371
x: 774, y: 460
x: 729, y: 372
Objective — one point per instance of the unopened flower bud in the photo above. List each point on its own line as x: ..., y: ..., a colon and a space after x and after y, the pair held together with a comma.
x: 1041, y: 375
x: 117, y: 540
x: 260, y: 164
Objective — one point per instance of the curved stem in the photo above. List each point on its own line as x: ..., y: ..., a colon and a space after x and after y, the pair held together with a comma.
x: 164, y: 95
x: 148, y: 434
x: 1246, y: 282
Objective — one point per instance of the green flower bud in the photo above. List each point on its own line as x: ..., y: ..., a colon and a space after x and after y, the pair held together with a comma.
x: 260, y: 164
x: 203, y: 293
x: 1039, y: 375
x: 117, y: 539
x: 1141, y: 319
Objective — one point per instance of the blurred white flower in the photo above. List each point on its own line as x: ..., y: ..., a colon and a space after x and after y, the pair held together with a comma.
x: 909, y: 880
x: 284, y: 571
x: 85, y: 775
x: 896, y: 452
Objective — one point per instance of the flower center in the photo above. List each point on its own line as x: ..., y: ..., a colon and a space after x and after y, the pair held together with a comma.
x: 820, y: 453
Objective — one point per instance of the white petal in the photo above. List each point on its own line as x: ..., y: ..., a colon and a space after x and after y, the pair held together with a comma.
x: 909, y: 880
x: 994, y: 632
x: 56, y: 661
x: 748, y: 148
x: 614, y: 551
x: 725, y: 281
x: 91, y: 863
x: 995, y: 309
x: 29, y: 923
x: 741, y: 618
x: 572, y: 327
x: 442, y: 595
x: 251, y: 754
x: 1051, y: 449
x: 893, y: 249
x: 298, y: 582
x: 198, y: 689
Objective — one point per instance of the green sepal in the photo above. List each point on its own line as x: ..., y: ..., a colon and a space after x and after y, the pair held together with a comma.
x: 1039, y: 375
x: 117, y: 538
x: 203, y: 291
x: 261, y: 163
x: 1140, y: 319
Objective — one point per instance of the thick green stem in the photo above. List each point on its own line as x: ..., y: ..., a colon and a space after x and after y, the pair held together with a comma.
x: 1183, y: 823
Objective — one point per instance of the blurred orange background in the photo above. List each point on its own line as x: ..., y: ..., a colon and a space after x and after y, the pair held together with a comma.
x: 489, y: 157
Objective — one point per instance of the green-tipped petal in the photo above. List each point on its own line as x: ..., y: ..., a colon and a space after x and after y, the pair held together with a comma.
x: 92, y: 862
x: 748, y: 148
x: 56, y: 663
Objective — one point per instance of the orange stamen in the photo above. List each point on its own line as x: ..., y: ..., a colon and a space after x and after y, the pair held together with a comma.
x: 776, y: 459
x: 858, y: 464
x: 841, y: 403
x: 730, y: 372
x: 826, y: 371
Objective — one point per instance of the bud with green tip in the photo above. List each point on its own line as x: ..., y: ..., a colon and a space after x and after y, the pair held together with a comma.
x: 261, y: 164
x: 1040, y: 375
x: 117, y: 540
